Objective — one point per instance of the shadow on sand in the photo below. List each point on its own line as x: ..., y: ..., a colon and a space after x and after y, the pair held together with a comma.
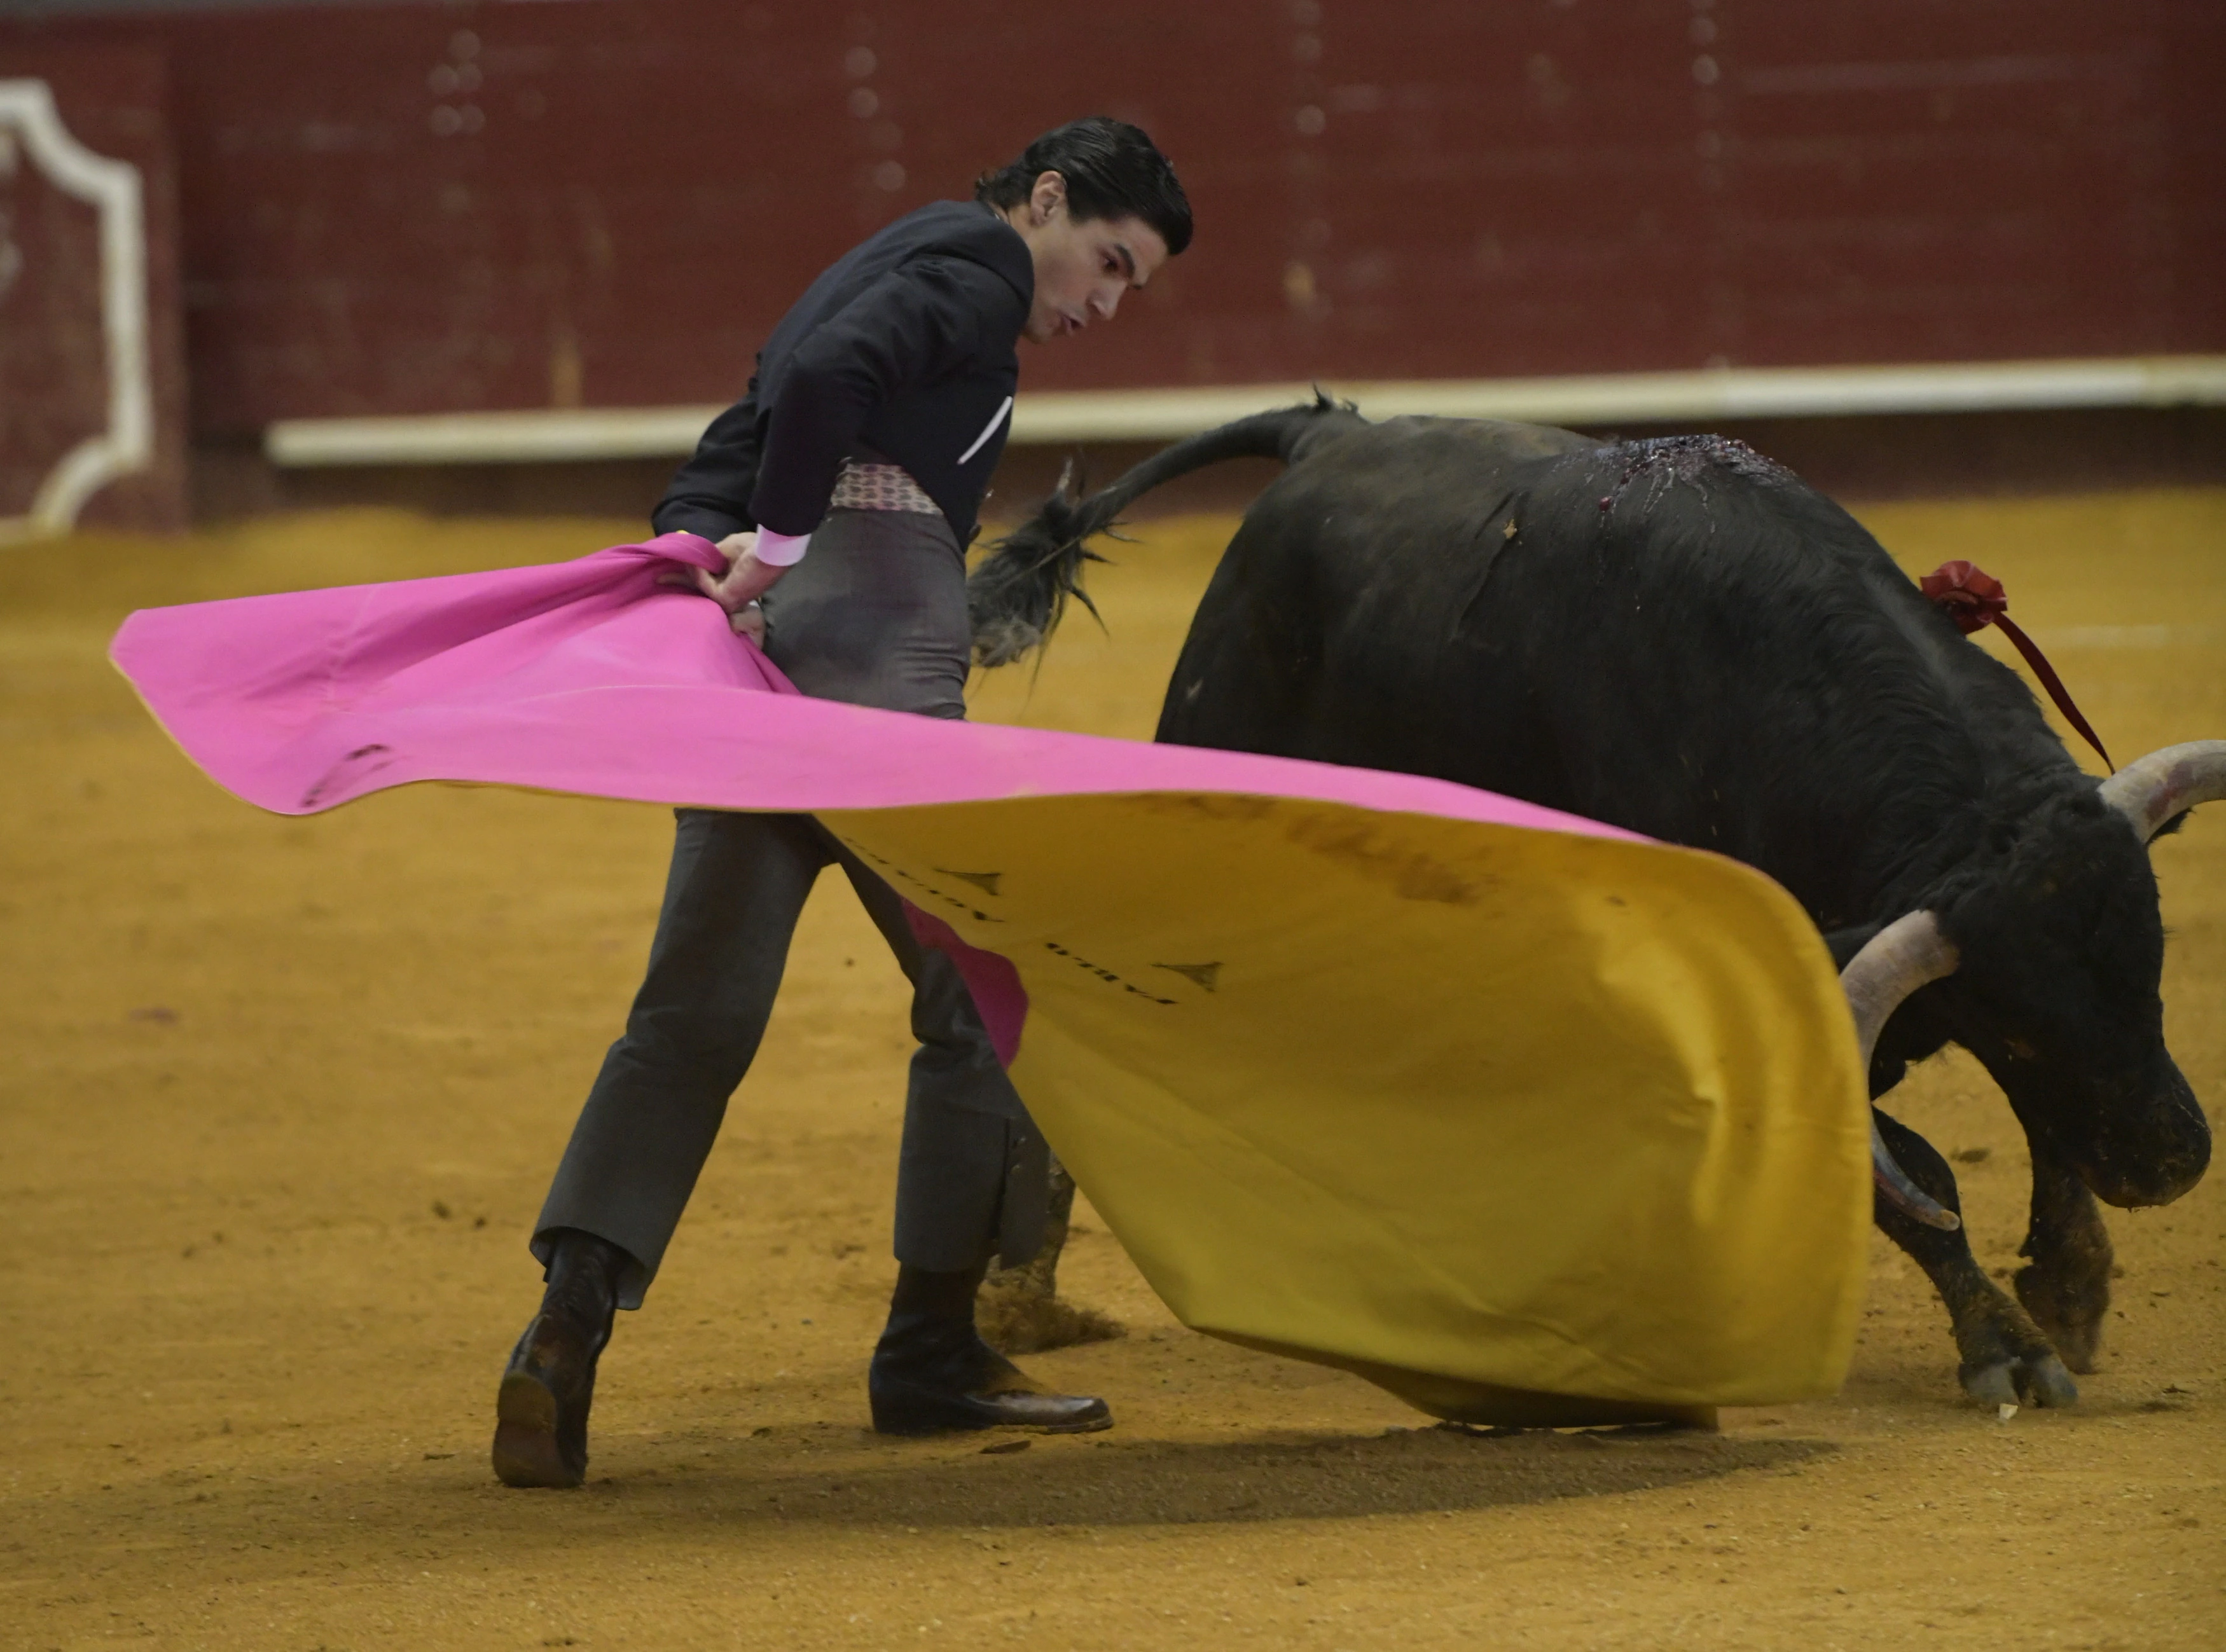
x: 1113, y: 1483
x: 830, y: 1480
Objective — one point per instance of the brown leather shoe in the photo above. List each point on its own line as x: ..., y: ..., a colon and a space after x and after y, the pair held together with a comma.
x: 541, y: 1409
x: 905, y: 1408
x: 932, y: 1372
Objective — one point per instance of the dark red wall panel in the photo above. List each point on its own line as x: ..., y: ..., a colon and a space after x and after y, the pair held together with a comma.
x: 54, y: 365
x: 409, y: 208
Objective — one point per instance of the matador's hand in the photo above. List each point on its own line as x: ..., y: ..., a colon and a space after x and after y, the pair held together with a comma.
x: 738, y: 589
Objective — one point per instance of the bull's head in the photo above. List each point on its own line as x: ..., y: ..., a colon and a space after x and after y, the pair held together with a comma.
x: 2051, y: 970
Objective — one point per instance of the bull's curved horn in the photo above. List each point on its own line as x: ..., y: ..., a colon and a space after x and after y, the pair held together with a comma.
x: 1893, y: 963
x: 2152, y: 790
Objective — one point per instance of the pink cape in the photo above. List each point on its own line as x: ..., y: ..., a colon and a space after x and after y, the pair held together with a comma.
x: 1522, y: 1117
x: 589, y: 676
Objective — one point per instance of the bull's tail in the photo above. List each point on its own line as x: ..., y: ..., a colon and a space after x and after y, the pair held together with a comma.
x: 1018, y: 593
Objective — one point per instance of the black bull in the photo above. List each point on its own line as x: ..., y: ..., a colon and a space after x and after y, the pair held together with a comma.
x: 1678, y: 637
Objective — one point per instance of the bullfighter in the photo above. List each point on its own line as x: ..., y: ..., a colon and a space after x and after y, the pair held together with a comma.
x: 844, y: 489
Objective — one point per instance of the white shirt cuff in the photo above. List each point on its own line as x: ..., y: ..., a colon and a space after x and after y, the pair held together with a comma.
x: 781, y: 549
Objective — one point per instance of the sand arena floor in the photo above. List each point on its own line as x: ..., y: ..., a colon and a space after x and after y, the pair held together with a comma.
x: 280, y: 1098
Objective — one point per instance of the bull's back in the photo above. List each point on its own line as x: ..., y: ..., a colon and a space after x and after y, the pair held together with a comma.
x: 1677, y: 637
x: 1376, y: 530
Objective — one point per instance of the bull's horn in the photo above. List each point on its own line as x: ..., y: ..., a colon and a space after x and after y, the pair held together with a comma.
x: 2149, y: 792
x: 1893, y: 963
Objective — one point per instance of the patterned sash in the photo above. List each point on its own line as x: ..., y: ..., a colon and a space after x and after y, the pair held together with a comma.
x: 879, y: 487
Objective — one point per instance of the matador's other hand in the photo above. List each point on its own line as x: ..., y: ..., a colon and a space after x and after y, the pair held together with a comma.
x: 738, y: 589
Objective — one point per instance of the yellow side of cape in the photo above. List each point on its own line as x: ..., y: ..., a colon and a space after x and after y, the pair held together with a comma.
x: 1526, y: 1127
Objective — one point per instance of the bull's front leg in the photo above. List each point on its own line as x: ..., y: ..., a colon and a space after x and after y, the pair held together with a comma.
x: 1020, y: 1311
x: 2067, y: 1287
x: 2007, y: 1360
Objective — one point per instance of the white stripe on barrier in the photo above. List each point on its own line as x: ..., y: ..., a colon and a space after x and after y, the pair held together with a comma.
x: 1707, y: 396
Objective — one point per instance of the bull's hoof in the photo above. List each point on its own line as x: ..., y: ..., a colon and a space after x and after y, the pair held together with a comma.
x: 1018, y: 1319
x: 2068, y: 1311
x: 2031, y: 1380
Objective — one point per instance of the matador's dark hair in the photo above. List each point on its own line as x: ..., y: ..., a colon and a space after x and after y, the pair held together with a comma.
x: 1112, y: 170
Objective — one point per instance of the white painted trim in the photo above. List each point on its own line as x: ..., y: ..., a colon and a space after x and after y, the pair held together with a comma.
x: 537, y: 436
x: 113, y: 187
x: 1708, y: 396
x: 988, y: 429
x: 1712, y: 394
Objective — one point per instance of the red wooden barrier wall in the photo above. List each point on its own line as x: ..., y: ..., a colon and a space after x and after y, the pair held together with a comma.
x: 417, y: 207
x: 55, y: 383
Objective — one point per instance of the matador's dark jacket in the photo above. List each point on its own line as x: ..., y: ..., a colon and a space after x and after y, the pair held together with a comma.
x: 907, y: 345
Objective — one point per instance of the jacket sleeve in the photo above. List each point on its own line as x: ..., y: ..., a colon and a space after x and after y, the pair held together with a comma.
x: 710, y: 493
x: 921, y: 321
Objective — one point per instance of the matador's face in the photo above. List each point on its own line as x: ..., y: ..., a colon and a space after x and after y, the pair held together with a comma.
x: 1082, y: 266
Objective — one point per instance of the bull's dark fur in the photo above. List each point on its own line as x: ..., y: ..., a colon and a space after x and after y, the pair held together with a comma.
x: 1680, y: 637
x: 1017, y: 596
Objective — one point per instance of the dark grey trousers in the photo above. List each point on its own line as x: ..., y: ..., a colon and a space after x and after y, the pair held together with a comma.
x: 874, y: 614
